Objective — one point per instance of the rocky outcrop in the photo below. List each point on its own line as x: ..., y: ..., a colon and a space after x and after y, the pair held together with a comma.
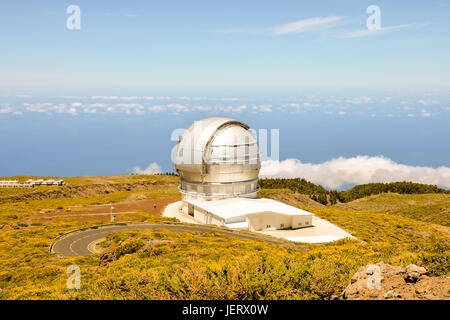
x: 106, y: 258
x: 386, y: 282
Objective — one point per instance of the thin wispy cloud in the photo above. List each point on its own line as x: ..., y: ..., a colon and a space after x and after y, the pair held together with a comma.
x: 306, y: 25
x: 383, y: 30
x: 300, y: 26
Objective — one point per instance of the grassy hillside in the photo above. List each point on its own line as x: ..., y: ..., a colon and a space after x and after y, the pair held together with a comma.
x: 159, y: 264
x: 82, y: 187
x: 434, y: 208
x: 325, y: 197
x: 404, y: 187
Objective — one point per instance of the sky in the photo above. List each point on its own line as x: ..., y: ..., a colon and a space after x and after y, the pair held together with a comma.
x: 105, y: 98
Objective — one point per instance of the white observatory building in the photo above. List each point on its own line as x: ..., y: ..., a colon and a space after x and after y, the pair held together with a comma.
x: 218, y: 161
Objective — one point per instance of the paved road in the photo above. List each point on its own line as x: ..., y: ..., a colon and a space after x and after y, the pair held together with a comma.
x: 77, y: 244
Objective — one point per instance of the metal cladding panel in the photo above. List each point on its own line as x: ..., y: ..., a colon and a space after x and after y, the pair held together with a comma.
x: 218, y: 151
x: 196, y: 137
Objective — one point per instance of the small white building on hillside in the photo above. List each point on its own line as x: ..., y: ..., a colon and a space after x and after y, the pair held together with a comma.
x: 249, y: 214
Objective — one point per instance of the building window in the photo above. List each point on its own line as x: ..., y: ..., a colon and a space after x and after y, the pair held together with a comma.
x: 306, y: 222
x: 282, y: 225
x: 299, y: 223
x: 268, y: 226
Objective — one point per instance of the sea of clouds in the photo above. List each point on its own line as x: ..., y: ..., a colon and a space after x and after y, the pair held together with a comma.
x: 356, y: 170
x: 386, y: 106
x: 341, y: 171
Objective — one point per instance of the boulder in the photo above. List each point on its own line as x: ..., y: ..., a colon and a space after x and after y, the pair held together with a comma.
x: 387, y: 282
x: 413, y: 273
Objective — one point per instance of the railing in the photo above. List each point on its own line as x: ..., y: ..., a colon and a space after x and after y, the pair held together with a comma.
x: 257, y: 235
x: 16, y: 185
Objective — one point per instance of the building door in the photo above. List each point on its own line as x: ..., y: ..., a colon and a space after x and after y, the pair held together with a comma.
x: 190, y: 209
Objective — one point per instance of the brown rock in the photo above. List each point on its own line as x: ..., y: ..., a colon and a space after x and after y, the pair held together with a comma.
x: 413, y: 273
x: 384, y: 281
x: 106, y: 258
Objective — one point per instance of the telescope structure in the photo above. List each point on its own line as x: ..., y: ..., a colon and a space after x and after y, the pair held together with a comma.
x: 218, y: 158
x: 218, y: 161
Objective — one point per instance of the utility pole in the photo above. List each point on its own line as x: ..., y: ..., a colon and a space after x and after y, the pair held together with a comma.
x: 111, y: 212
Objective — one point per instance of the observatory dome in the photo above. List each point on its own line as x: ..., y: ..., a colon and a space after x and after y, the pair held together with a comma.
x: 217, y: 158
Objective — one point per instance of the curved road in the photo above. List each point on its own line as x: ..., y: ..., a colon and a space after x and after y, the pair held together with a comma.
x: 77, y: 244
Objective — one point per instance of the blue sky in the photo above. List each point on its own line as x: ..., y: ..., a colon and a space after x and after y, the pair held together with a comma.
x: 105, y: 99
x: 224, y: 45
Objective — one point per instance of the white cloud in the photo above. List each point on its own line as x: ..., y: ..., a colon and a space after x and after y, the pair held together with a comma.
x: 177, y: 108
x: 152, y: 168
x: 201, y: 108
x: 427, y: 102
x: 231, y: 109
x: 156, y: 109
x: 300, y: 26
x: 128, y: 98
x: 425, y: 113
x: 40, y: 107
x: 359, y: 100
x: 357, y: 170
x: 383, y: 30
x: 262, y: 108
x: 306, y: 25
x: 87, y: 110
x: 99, y: 105
x: 310, y: 105
x: 5, y: 109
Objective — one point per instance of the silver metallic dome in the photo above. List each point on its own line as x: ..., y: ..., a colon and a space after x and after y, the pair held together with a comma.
x: 217, y: 158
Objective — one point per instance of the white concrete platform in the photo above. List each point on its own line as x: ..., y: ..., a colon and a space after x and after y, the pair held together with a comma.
x: 237, y: 225
x: 236, y: 207
x: 173, y: 210
x: 322, y: 230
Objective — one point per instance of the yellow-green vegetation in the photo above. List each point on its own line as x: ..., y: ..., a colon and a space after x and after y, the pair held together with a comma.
x: 433, y: 208
x: 161, y: 264
x: 88, y: 186
x: 87, y: 180
x: 12, y: 213
x: 15, y: 203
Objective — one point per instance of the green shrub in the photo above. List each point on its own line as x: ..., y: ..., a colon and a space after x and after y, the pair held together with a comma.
x: 129, y: 246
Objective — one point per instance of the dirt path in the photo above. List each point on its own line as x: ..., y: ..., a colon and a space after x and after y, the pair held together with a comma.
x: 91, y: 213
